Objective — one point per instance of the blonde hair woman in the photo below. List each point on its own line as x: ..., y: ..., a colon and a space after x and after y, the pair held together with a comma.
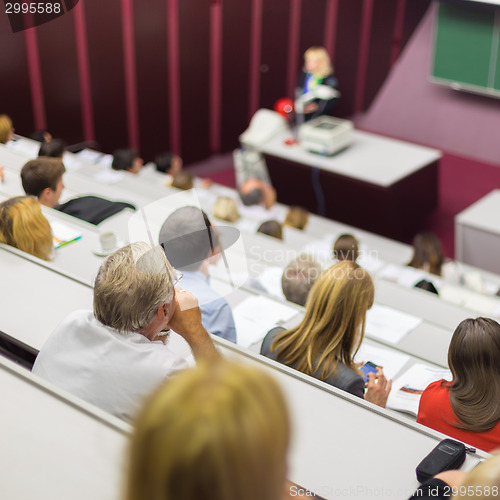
x: 226, y: 208
x: 23, y: 226
x: 217, y: 432
x: 324, y: 344
x: 6, y: 129
x: 318, y: 70
x: 296, y: 217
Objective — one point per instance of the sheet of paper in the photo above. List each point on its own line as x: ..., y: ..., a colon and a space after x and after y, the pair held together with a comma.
x: 369, y: 260
x: 29, y: 148
x: 407, y: 389
x: 388, y: 324
x: 321, y: 250
x: 89, y: 155
x: 72, y: 162
x: 108, y: 176
x: 255, y: 316
x: 390, y: 360
x: 63, y: 233
x: 404, y: 275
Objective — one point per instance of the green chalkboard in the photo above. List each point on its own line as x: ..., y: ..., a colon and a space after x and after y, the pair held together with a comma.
x: 466, y: 46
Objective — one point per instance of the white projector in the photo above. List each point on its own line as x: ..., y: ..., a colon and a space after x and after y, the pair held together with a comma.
x: 326, y: 135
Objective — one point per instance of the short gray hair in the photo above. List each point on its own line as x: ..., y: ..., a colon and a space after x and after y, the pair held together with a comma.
x: 299, y: 277
x: 132, y: 283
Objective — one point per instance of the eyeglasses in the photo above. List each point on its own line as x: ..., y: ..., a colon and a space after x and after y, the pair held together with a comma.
x: 177, y: 276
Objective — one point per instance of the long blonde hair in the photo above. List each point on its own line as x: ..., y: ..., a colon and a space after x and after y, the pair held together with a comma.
x: 219, y: 431
x: 483, y: 481
x: 333, y: 325
x: 5, y: 129
x: 23, y: 226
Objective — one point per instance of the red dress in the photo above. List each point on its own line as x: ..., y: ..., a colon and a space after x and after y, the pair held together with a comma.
x: 435, y: 412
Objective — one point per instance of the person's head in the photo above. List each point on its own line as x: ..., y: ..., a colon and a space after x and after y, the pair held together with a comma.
x: 226, y: 208
x: 334, y: 322
x: 6, y: 129
x: 134, y: 286
x: 42, y: 177
x: 483, y: 480
x: 53, y: 149
x: 23, y: 226
x: 427, y: 253
x: 252, y: 192
x: 296, y: 217
x: 346, y: 247
x: 473, y: 360
x: 271, y: 228
x: 168, y: 163
x: 317, y: 61
x: 219, y: 431
x: 188, y: 238
x: 298, y: 278
x: 183, y: 180
x: 41, y: 136
x: 127, y: 159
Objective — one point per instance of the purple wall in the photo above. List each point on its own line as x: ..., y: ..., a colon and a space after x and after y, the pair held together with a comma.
x: 129, y: 72
x: 410, y: 107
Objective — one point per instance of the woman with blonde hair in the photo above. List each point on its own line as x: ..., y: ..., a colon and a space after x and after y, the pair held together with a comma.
x: 6, y: 129
x: 219, y: 431
x: 296, y: 217
x: 226, y: 208
x: 324, y: 344
x: 23, y: 226
x: 317, y: 72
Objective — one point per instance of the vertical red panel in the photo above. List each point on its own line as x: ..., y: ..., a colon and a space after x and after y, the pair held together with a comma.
x: 331, y: 17
x: 130, y: 73
x: 397, y: 36
x: 174, y: 70
x: 274, y: 61
x: 364, y: 49
x: 194, y: 51
x: 293, y: 46
x: 255, y: 49
x: 236, y: 62
x: 150, y: 27
x: 84, y: 72
x: 312, y: 26
x: 106, y: 73
x: 35, y: 77
x: 215, y: 74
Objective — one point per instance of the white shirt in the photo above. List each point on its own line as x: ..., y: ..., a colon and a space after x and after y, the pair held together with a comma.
x: 112, y: 370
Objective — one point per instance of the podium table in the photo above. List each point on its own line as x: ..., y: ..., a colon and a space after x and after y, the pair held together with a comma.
x: 380, y: 184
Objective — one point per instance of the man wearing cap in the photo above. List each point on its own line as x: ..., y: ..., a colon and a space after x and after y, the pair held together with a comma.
x: 192, y: 244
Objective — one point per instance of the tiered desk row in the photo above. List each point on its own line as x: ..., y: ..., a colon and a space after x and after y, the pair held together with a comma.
x: 340, y: 443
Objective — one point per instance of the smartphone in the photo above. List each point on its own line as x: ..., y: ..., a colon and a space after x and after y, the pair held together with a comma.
x: 367, y: 368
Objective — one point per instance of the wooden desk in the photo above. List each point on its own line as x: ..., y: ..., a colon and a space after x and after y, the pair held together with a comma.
x: 379, y: 184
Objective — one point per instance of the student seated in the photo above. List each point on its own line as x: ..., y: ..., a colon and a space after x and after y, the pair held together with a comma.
x: 427, y: 254
x: 298, y: 278
x: 168, y: 163
x: 323, y: 345
x: 220, y: 431
x: 256, y: 192
x: 6, y: 129
x: 128, y: 160
x: 43, y: 178
x: 55, y: 148
x: 183, y: 180
x: 23, y: 226
x: 226, y: 208
x: 296, y: 217
x: 271, y: 228
x: 346, y: 247
x: 114, y: 356
x: 468, y: 407
x: 192, y: 245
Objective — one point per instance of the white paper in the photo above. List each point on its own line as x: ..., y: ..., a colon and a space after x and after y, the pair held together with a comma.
x: 390, y: 360
x: 388, y: 324
x: 321, y: 250
x: 71, y: 162
x: 407, y: 389
x: 109, y: 176
x: 405, y: 275
x: 63, y: 233
x: 255, y: 316
x: 89, y: 155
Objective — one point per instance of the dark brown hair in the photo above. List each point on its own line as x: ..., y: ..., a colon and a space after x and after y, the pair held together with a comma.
x: 427, y: 250
x: 474, y: 360
x: 271, y: 228
x: 41, y: 173
x: 346, y: 248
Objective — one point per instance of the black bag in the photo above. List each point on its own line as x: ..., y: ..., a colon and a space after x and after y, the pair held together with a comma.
x: 448, y: 454
x: 92, y: 209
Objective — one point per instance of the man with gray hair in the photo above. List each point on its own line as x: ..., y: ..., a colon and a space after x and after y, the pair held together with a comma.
x: 116, y: 355
x: 298, y: 278
x: 192, y: 244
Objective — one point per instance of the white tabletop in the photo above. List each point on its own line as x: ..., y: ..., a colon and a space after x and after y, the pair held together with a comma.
x: 371, y: 158
x: 483, y: 214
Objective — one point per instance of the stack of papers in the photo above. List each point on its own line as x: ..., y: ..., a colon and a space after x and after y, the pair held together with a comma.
x: 63, y: 234
x: 407, y: 389
x: 255, y: 316
x: 389, y: 325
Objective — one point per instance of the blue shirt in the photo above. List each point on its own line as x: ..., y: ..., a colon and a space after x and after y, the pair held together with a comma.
x: 216, y: 314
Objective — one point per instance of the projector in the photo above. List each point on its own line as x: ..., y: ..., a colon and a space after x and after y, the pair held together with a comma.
x: 326, y: 135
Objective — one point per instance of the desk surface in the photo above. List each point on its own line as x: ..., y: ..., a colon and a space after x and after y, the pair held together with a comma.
x: 483, y: 214
x: 371, y: 158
